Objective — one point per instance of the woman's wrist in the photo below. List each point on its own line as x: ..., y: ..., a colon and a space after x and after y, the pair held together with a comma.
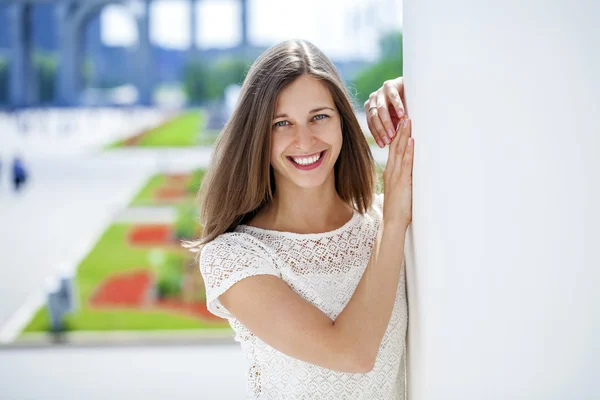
x: 395, y: 225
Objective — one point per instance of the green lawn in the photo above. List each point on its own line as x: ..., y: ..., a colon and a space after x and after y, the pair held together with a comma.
x: 145, y: 195
x: 109, y: 256
x: 186, y: 129
x: 179, y: 132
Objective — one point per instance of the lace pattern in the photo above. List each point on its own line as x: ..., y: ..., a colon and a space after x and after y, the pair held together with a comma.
x: 325, y: 269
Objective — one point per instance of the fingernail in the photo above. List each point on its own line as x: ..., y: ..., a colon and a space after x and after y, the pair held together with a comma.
x: 410, y: 142
x: 405, y: 123
x: 400, y: 113
x: 386, y: 140
x: 390, y: 133
x: 380, y: 144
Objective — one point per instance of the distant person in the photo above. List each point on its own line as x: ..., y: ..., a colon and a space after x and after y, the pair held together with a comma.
x: 19, y: 173
x: 298, y: 252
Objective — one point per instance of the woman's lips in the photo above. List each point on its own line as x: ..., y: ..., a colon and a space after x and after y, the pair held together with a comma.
x: 311, y: 166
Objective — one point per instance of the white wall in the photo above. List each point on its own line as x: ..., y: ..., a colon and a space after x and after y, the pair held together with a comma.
x: 504, y: 253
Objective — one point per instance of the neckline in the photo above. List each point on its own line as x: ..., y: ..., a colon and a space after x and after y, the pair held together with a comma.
x: 355, y: 215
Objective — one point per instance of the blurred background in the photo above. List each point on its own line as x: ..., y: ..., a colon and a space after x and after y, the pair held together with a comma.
x: 108, y: 113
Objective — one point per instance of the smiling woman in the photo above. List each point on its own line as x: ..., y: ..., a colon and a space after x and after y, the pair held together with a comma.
x: 297, y: 251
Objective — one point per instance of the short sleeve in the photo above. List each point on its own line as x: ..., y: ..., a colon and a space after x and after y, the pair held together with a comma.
x: 228, y: 259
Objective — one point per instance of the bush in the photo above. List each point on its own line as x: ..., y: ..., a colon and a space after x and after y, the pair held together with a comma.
x: 186, y: 225
x: 169, y: 275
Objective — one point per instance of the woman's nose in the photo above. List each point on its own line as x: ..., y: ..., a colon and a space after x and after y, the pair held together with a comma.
x: 305, y: 139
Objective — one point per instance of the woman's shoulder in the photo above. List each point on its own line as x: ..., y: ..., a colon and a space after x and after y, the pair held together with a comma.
x: 234, y: 243
x: 231, y: 241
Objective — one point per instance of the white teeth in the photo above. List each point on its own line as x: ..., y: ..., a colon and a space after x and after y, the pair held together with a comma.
x: 307, y: 161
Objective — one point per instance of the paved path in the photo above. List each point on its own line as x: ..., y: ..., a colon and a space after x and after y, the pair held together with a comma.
x: 147, y: 215
x: 123, y: 373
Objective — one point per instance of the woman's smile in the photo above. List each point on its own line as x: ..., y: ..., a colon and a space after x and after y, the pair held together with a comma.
x: 307, y: 163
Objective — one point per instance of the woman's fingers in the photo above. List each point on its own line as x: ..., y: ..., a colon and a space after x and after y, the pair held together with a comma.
x: 396, y: 151
x: 384, y: 115
x: 407, y: 161
x: 394, y: 91
x: 404, y: 133
x: 376, y: 126
x: 373, y: 131
x: 393, y: 152
x: 384, y: 110
x: 403, y: 149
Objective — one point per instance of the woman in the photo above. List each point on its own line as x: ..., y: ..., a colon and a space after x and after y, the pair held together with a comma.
x: 297, y: 251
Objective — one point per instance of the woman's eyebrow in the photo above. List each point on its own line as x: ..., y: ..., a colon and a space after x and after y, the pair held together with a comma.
x: 310, y: 112
x: 320, y: 109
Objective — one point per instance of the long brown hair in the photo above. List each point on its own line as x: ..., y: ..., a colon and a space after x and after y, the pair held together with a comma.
x: 240, y: 178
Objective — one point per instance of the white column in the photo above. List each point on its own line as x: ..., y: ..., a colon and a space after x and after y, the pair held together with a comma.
x: 503, y: 253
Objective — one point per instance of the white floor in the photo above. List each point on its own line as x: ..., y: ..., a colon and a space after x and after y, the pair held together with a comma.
x: 150, y: 373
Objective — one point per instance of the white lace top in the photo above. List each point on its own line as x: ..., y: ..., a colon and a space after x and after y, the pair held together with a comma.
x: 325, y: 269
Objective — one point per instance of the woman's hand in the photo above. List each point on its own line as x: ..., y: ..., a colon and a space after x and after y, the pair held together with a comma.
x: 397, y: 178
x: 384, y: 109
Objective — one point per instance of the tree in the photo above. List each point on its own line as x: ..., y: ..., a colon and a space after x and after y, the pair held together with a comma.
x: 205, y: 81
x: 388, y: 67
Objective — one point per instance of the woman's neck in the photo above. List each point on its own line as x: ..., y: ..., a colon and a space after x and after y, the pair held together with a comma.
x: 300, y: 210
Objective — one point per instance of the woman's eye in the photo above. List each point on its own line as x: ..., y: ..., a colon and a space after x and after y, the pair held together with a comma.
x: 320, y: 117
x: 281, y: 124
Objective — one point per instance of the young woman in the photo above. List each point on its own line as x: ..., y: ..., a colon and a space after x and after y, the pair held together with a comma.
x: 298, y: 252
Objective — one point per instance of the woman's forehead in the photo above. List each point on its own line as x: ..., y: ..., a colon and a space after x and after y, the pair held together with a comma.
x: 303, y: 95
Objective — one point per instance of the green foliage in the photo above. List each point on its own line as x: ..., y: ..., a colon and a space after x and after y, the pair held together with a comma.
x: 186, y: 225
x: 224, y: 73
x: 195, y: 80
x: 169, y: 275
x: 207, y: 81
x: 388, y: 67
x: 196, y: 180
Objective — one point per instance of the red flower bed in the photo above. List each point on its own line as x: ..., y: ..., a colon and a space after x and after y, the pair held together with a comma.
x: 170, y: 193
x: 132, y: 290
x: 178, y: 179
x: 151, y: 235
x: 128, y: 289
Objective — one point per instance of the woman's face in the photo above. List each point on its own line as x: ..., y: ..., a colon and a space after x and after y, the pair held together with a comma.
x: 307, y: 135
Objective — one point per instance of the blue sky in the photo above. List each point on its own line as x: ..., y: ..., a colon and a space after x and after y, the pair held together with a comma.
x: 342, y: 28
